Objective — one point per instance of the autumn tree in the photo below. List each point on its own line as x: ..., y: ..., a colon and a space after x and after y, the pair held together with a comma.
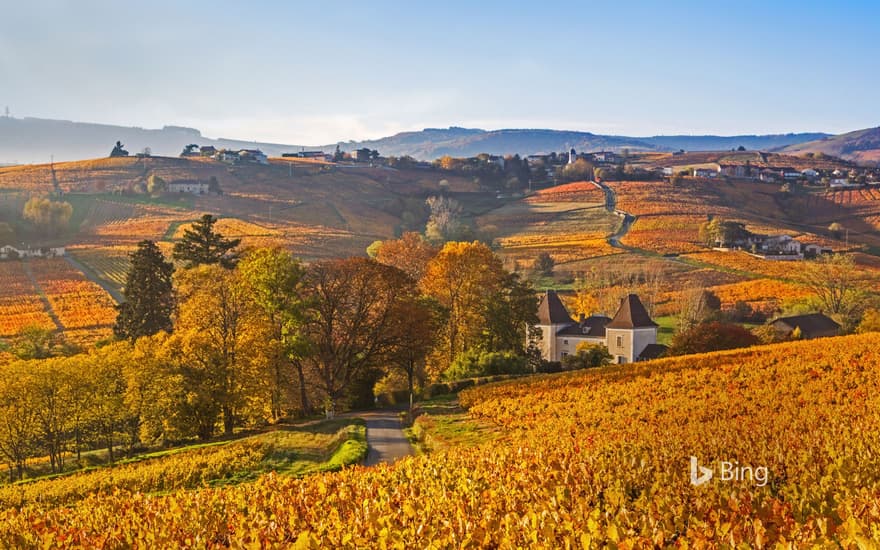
x: 353, y: 319
x: 47, y: 215
x: 36, y: 342
x: 544, y: 264
x: 837, y: 286
x: 155, y: 184
x: 444, y: 222
x: 695, y: 306
x: 470, y: 283
x: 18, y: 419
x: 214, y: 340
x: 410, y: 253
x: 273, y: 277
x: 149, y: 299
x: 418, y: 320
x: 202, y: 245
x: 711, y: 336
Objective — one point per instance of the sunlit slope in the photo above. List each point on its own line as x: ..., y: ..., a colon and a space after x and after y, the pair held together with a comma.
x: 588, y: 458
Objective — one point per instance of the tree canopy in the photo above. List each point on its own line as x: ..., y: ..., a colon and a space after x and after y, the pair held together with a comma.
x: 202, y: 245
x: 149, y: 294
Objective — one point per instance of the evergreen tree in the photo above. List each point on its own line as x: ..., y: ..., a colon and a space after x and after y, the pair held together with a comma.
x: 149, y: 296
x: 201, y: 245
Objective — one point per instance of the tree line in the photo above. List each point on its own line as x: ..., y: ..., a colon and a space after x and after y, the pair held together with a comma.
x: 219, y: 339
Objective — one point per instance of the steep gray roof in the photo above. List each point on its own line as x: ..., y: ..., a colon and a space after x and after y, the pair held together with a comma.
x: 551, y: 310
x: 631, y: 314
x: 594, y: 323
x: 812, y: 325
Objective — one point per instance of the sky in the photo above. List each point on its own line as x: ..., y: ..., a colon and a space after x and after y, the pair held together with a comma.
x: 321, y: 72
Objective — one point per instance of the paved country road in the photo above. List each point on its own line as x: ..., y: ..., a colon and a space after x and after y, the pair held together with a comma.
x: 384, y: 437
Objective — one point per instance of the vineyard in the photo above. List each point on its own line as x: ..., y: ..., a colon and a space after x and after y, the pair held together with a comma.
x: 77, y: 302
x: 589, y: 459
x: 288, y: 450
x: 561, y: 224
x: 20, y: 303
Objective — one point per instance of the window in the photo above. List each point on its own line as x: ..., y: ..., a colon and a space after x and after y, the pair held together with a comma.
x: 620, y: 341
x: 565, y: 354
x: 565, y: 342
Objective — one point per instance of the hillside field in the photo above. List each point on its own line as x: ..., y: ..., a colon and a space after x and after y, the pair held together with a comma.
x: 585, y: 459
x: 320, y: 210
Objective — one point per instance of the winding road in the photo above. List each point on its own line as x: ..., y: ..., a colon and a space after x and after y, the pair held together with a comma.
x: 611, y: 206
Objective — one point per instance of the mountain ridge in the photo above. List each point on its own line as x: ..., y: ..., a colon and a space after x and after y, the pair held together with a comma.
x: 33, y: 140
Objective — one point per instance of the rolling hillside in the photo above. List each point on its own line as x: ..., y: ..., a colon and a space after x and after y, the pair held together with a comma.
x: 34, y: 140
x: 861, y: 146
x: 589, y: 459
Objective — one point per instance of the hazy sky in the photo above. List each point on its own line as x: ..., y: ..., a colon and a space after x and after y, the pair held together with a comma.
x: 317, y: 72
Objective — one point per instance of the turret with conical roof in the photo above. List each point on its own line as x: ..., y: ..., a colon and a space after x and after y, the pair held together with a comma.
x: 631, y: 330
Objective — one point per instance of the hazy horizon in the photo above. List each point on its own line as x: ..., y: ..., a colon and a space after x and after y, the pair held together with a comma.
x: 309, y: 74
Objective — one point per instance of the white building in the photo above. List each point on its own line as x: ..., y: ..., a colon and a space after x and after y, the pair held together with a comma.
x: 189, y: 186
x: 8, y: 252
x: 630, y: 336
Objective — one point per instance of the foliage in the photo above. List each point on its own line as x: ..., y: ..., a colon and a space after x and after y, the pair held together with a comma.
x: 696, y: 306
x: 870, y: 322
x: 711, y: 336
x: 48, y: 215
x: 595, y: 458
x: 201, y: 245
x: 474, y: 363
x: 156, y: 184
x: 273, y: 277
x: 544, y: 264
x: 723, y: 232
x: 354, y: 320
x: 587, y: 356
x: 410, y: 253
x: 836, y: 284
x: 444, y: 223
x: 149, y: 296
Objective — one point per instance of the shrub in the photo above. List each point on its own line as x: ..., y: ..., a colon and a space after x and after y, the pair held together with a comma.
x: 587, y: 356
x: 711, y: 336
x: 474, y: 363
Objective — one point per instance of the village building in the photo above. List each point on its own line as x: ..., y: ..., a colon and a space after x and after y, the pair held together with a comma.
x: 631, y: 335
x: 194, y: 187
x: 8, y: 252
x: 812, y: 325
x: 253, y: 155
x: 705, y: 172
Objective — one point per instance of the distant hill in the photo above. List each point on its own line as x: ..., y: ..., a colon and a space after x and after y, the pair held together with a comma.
x: 432, y: 143
x: 861, y: 146
x: 33, y: 140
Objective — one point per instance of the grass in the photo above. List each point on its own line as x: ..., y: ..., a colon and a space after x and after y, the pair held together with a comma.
x: 667, y: 328
x: 294, y: 450
x: 442, y: 423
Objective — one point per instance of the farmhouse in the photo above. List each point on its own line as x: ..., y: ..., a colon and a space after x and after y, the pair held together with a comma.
x: 705, y: 172
x: 630, y: 335
x: 9, y: 252
x: 812, y: 325
x: 189, y: 186
x: 253, y: 155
